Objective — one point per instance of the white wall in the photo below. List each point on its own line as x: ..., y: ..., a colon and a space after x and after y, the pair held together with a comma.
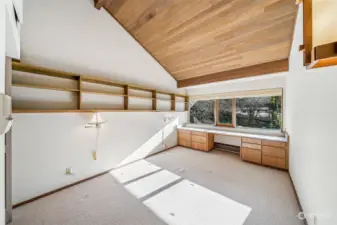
x: 2, y: 90
x: 311, y: 124
x: 44, y: 145
x: 74, y: 36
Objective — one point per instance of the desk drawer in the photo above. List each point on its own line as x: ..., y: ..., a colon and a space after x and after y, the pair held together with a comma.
x: 251, y: 140
x: 184, y: 142
x: 274, y: 162
x: 184, y: 136
x: 253, y: 146
x: 180, y: 131
x: 197, y: 133
x: 199, y: 146
x: 273, y: 151
x: 251, y: 155
x: 274, y: 143
x: 199, y: 139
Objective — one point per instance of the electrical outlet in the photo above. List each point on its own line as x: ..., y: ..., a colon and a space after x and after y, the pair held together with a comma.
x: 69, y: 171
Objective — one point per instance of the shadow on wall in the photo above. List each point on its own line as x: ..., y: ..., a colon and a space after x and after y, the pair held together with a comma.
x: 155, y: 144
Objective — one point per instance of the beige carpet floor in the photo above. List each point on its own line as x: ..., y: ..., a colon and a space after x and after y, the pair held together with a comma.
x: 104, y: 201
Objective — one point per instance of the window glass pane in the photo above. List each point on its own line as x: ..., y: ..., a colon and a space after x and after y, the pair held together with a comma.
x: 259, y: 112
x: 202, y: 112
x: 225, y: 111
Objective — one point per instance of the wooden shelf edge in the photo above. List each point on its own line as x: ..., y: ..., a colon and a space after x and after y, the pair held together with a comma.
x: 85, y: 110
x: 45, y: 87
x: 102, y: 93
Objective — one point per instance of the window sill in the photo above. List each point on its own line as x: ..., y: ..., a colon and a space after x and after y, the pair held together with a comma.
x: 276, y: 135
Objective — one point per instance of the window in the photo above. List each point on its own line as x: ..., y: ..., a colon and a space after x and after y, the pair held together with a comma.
x: 259, y: 112
x: 225, y: 112
x: 202, y: 112
x: 251, y: 112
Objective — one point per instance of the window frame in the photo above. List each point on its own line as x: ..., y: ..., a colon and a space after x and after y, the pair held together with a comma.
x: 234, y: 124
x: 216, y: 113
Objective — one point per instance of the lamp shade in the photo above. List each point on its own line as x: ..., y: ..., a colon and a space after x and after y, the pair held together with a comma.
x: 96, y: 119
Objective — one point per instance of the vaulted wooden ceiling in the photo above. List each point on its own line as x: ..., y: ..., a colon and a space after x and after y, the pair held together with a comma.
x: 200, y: 41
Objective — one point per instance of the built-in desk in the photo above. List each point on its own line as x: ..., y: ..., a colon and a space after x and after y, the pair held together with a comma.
x: 257, y: 148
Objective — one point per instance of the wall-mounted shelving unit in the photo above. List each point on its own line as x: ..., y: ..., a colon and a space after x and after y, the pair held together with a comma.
x: 125, y: 91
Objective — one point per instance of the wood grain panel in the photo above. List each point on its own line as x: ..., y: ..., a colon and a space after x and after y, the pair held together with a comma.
x: 197, y: 133
x: 253, y: 146
x: 251, y: 140
x: 274, y: 143
x: 197, y: 38
x: 273, y: 151
x: 274, y: 162
x: 184, y: 131
x: 199, y: 146
x: 251, y: 155
x: 184, y: 142
x: 199, y: 139
x: 256, y: 70
x: 185, y: 136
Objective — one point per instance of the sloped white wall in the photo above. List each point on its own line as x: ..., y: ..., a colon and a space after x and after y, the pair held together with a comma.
x: 311, y: 124
x: 74, y: 36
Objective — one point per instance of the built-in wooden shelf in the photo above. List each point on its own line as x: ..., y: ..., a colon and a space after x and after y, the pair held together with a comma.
x: 102, y: 93
x: 38, y: 86
x: 18, y: 66
x: 83, y: 110
x: 324, y: 55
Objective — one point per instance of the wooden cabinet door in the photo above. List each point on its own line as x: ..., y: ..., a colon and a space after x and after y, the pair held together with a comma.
x: 251, y: 155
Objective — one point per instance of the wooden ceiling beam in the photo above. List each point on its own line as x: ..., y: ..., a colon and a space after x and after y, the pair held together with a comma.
x: 99, y: 3
x: 256, y: 70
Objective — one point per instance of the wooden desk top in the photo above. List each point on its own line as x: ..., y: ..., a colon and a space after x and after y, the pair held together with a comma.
x: 237, y: 134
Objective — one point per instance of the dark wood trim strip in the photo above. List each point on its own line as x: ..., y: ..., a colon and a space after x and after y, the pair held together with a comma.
x: 307, y: 31
x: 154, y: 100
x: 325, y: 51
x: 256, y: 70
x: 173, y: 102
x: 59, y: 189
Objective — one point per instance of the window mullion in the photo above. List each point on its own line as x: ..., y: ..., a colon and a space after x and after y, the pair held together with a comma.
x: 234, y: 112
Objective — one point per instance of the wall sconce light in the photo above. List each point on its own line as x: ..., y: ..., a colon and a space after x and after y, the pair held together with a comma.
x: 95, y: 122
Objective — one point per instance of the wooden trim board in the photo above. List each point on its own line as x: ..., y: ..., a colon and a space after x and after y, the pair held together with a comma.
x: 256, y: 70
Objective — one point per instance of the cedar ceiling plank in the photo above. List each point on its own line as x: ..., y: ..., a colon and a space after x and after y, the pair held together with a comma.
x: 149, y: 14
x: 256, y: 70
x: 191, y: 38
x: 114, y: 5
